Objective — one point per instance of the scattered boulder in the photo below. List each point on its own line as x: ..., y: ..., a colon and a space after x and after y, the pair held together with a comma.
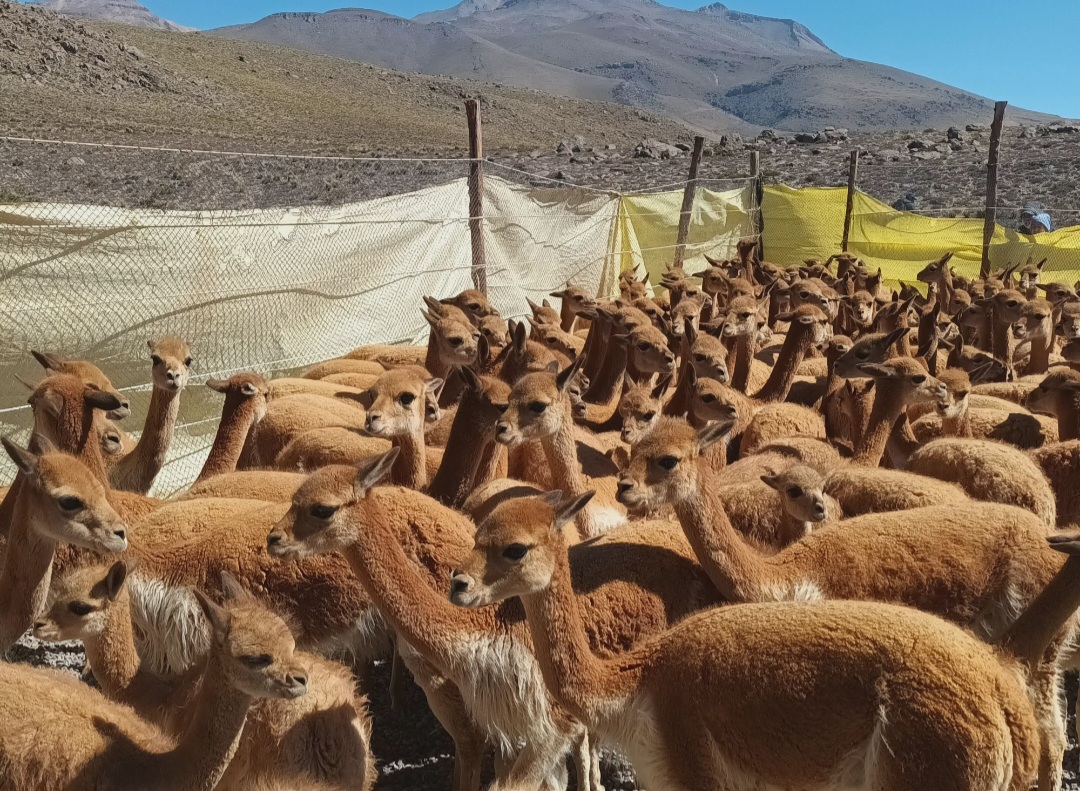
x: 928, y: 155
x: 767, y: 134
x: 922, y: 145
x: 731, y: 139
x: 655, y: 149
x: 804, y: 137
x: 955, y: 134
x: 1062, y: 129
x: 907, y: 203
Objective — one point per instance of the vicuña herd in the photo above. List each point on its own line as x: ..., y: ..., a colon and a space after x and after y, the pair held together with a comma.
x: 752, y: 528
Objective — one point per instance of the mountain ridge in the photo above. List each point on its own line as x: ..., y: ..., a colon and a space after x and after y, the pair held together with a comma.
x: 714, y: 69
x: 128, y: 12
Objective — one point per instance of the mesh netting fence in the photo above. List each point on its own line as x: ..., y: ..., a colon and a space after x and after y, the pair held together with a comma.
x: 212, y: 249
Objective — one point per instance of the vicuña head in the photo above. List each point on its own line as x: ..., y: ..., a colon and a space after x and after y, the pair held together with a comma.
x: 539, y: 406
x: 80, y: 601
x: 664, y: 466
x: 802, y: 489
x: 68, y: 502
x: 256, y: 647
x: 172, y: 362
x: 90, y: 375
x: 515, y: 549
x: 315, y: 523
x: 396, y: 402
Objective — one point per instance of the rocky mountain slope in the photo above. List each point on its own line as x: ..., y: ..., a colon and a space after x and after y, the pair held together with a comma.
x: 715, y: 69
x: 127, y: 12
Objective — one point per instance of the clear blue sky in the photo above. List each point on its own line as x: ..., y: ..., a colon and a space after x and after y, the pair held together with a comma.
x: 1020, y: 51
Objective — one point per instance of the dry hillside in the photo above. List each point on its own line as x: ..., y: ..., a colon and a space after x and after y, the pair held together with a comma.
x: 95, y: 80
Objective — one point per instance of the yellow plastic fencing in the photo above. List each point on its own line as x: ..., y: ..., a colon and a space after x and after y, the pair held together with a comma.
x: 648, y: 224
x: 800, y: 224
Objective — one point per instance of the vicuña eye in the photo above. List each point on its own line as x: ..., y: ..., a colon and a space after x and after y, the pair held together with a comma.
x: 515, y: 552
x: 71, y: 504
x: 794, y: 492
x: 80, y: 608
x: 257, y: 661
x: 668, y: 462
x: 322, y: 511
x: 538, y: 407
x: 406, y: 399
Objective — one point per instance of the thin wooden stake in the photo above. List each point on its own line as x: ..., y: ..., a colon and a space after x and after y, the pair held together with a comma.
x: 852, y: 178
x: 756, y: 219
x: 991, y: 186
x: 476, y: 194
x: 689, y: 194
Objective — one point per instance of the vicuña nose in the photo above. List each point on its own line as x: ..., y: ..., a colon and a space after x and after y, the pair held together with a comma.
x: 120, y: 533
x: 459, y: 584
x: 273, y: 539
x: 501, y: 428
x: 625, y: 486
x: 297, y: 679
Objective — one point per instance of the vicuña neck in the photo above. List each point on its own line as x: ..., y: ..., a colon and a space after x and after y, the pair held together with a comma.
x: 209, y: 742
x: 462, y: 457
x: 26, y: 573
x: 137, y: 470
x: 610, y: 377
x: 410, y: 469
x: 1068, y: 421
x: 112, y: 654
x: 596, y: 348
x: 791, y: 356
x: 236, y: 422
x: 736, y: 570
x: 419, y: 613
x: 561, y: 451
x: 1030, y: 635
x: 579, y: 680
x: 959, y: 426
x: 746, y: 347
x: 888, y: 408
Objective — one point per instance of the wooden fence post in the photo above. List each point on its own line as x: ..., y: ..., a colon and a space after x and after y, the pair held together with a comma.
x: 852, y: 178
x: 476, y: 194
x: 689, y: 194
x: 991, y: 186
x: 756, y: 220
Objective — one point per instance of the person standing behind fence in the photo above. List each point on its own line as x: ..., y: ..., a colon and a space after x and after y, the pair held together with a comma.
x: 1034, y: 220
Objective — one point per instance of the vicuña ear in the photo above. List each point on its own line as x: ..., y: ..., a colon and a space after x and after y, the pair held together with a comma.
x: 218, y: 385
x: 435, y: 384
x: 771, y: 481
x: 218, y: 617
x: 114, y: 580
x: 896, y: 335
x: 713, y: 433
x: 25, y: 460
x: 47, y: 361
x: 877, y: 371
x: 99, y: 399
x: 563, y: 379
x: 366, y: 399
x: 373, y: 471
x: 661, y: 386
x: 472, y: 380
x: 566, y: 509
x: 231, y: 588
x: 1065, y: 541
x: 40, y: 444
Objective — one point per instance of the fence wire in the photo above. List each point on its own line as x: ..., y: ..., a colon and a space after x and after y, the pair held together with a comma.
x: 273, y: 263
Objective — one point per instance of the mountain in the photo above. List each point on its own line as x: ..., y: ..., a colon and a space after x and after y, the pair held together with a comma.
x: 714, y: 69
x: 126, y: 12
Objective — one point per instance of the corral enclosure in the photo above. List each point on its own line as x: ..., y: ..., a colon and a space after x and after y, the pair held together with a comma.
x: 274, y: 289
